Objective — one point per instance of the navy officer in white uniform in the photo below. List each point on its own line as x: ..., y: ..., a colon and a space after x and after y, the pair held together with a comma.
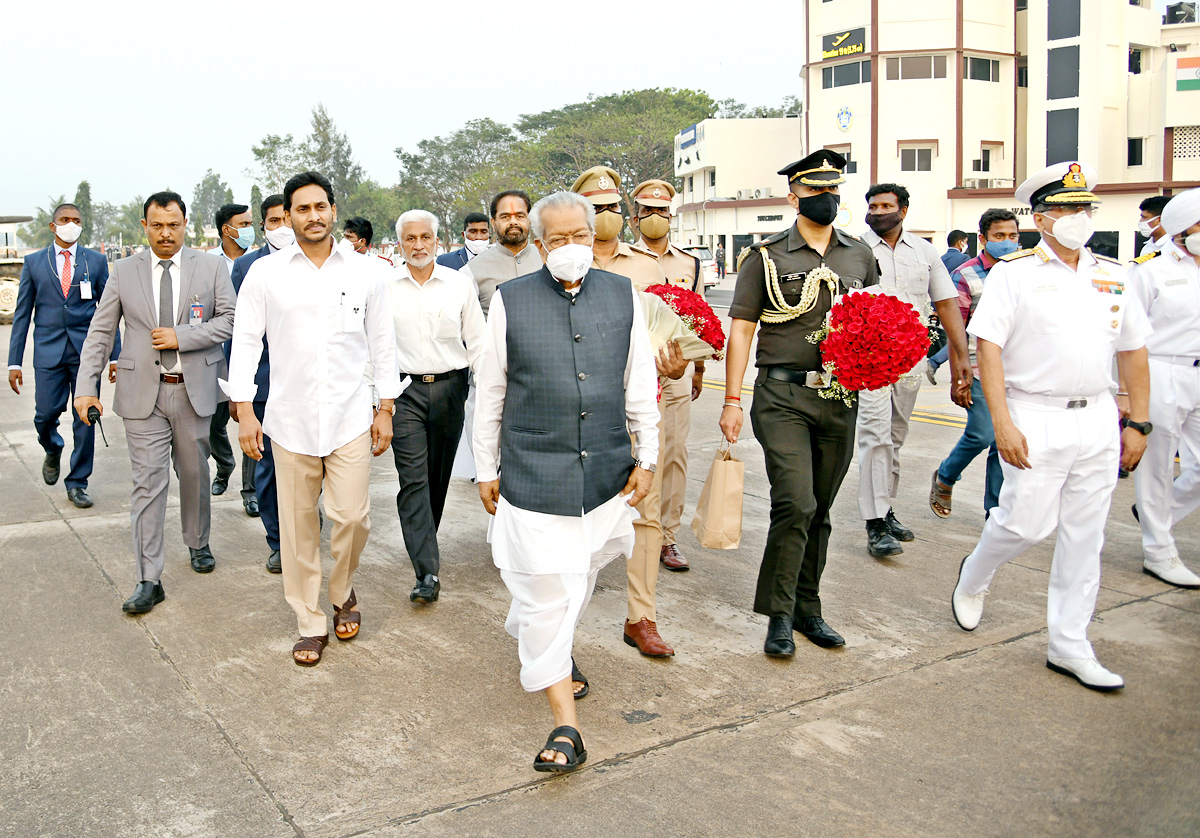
x: 1047, y: 326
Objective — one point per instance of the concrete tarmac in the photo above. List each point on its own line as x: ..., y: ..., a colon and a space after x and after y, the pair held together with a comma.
x: 193, y: 721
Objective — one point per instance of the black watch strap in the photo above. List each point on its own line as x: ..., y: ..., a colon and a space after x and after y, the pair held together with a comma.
x: 1143, y: 428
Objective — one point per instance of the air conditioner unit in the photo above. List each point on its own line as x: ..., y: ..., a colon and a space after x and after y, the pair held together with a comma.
x: 744, y: 194
x: 975, y: 183
x: 762, y: 192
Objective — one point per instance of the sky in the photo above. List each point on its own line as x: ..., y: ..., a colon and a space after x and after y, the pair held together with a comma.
x: 136, y: 97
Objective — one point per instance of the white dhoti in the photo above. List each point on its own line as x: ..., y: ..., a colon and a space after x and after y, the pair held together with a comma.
x: 1164, y: 500
x: 549, y: 564
x: 464, y: 457
x: 1074, y: 456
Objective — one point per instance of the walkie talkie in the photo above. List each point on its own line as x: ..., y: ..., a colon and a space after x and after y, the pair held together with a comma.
x: 94, y: 419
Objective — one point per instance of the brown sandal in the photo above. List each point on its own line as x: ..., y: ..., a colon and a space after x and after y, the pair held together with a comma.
x: 310, y: 644
x: 344, y: 615
x: 939, y: 497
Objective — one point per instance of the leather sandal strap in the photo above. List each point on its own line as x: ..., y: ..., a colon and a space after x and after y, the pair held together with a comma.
x: 569, y: 732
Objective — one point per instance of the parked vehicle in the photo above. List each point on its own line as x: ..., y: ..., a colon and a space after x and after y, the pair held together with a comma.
x: 708, y: 263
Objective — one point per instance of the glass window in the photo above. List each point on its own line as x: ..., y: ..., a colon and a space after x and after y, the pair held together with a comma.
x: 893, y: 69
x: 1062, y: 135
x: 712, y: 178
x: 1062, y: 19
x: 1135, y: 151
x: 844, y: 74
x: 916, y: 67
x: 1023, y: 72
x: 866, y: 70
x: 916, y: 159
x: 939, y: 66
x: 1135, y: 61
x: 826, y: 77
x: 1062, y: 73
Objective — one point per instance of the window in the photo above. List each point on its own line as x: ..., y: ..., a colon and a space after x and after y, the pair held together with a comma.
x: 1135, y: 151
x: 981, y: 69
x: 1062, y: 135
x: 1022, y: 5
x: 712, y: 178
x: 1062, y: 73
x: 916, y: 159
x: 1135, y: 61
x: 916, y: 67
x: 984, y: 163
x: 1023, y: 72
x: 851, y: 163
x: 1062, y: 19
x: 840, y: 75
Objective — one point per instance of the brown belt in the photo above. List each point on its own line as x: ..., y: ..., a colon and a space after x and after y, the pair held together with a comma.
x: 171, y: 377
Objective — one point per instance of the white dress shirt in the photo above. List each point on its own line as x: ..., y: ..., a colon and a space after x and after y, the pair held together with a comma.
x: 59, y: 260
x: 913, y: 271
x: 537, y: 542
x: 1057, y: 330
x: 324, y: 325
x: 1168, y: 287
x: 155, y: 278
x: 439, y: 324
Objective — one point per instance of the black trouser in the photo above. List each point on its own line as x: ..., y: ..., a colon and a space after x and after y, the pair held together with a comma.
x: 222, y: 451
x: 807, y: 443
x: 426, y: 428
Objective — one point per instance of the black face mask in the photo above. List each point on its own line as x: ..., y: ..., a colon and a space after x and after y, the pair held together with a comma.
x: 819, y: 209
x: 883, y: 222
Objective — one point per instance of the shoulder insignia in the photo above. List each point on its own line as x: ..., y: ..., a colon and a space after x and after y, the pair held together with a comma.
x: 643, y: 251
x: 1020, y: 254
x: 1106, y: 258
x: 1141, y: 260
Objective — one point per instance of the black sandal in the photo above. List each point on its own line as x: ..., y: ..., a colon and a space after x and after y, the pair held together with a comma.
x: 573, y: 751
x: 310, y: 644
x: 576, y: 675
x: 345, y: 614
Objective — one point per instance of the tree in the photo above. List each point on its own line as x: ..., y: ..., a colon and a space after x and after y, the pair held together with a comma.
x: 83, y: 200
x: 37, y: 233
x: 378, y: 204
x: 733, y: 109
x: 277, y: 159
x: 210, y: 194
x: 256, y: 200
x: 126, y: 226
x: 326, y: 151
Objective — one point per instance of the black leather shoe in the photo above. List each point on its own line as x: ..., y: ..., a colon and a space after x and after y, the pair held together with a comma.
x: 880, y: 541
x: 50, y: 467
x: 779, y: 638
x: 274, y: 563
x: 1136, y: 517
x: 426, y: 590
x: 819, y: 632
x: 145, y: 596
x: 251, y: 505
x: 220, y: 484
x: 901, y: 532
x: 79, y: 497
x: 202, y: 559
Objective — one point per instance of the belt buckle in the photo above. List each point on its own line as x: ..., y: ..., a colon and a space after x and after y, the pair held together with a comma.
x: 428, y: 379
x: 817, y: 380
x: 1073, y: 404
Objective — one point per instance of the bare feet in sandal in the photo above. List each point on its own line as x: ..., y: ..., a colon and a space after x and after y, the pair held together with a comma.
x: 307, y: 651
x: 346, y: 620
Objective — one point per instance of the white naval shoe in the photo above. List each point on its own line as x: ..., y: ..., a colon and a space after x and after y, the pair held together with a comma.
x: 968, y: 610
x: 1088, y: 672
x: 1173, y: 572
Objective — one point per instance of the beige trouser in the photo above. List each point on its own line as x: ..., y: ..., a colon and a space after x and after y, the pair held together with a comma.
x: 298, y: 479
x: 676, y: 409
x: 642, y: 566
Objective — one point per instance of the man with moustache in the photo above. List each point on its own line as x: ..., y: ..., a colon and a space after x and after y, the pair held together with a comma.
x: 326, y: 313
x: 909, y: 268
x: 177, y: 305
x: 61, y: 285
x: 514, y: 256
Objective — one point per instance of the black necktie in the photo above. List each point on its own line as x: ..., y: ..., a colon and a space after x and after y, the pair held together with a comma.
x: 166, y: 312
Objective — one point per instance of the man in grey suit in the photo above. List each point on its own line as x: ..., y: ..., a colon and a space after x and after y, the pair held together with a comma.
x: 178, y: 308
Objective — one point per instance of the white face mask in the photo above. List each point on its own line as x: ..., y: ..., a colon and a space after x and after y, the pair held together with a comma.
x: 68, y: 232
x: 570, y: 262
x: 1145, y: 229
x: 1072, y: 231
x: 281, y: 237
x: 476, y: 246
x: 1192, y: 243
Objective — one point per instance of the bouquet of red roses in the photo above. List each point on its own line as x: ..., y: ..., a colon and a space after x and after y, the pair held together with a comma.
x: 868, y: 342
x: 696, y: 314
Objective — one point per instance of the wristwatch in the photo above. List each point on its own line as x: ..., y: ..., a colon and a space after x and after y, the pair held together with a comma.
x: 390, y: 409
x: 650, y: 467
x: 1143, y: 428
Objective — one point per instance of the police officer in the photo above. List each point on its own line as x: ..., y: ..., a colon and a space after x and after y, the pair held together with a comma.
x: 1167, y: 283
x: 1046, y: 326
x: 652, y: 220
x: 601, y: 185
x: 807, y: 441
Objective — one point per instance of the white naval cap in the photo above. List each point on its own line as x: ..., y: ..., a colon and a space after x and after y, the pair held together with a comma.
x: 1181, y: 212
x: 1067, y: 183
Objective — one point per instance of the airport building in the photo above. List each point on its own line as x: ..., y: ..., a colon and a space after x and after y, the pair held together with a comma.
x: 959, y: 100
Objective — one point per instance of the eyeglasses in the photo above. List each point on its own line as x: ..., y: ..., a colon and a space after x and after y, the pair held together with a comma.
x: 555, y: 242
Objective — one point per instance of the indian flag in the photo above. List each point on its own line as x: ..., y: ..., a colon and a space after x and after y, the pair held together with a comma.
x: 1187, y: 74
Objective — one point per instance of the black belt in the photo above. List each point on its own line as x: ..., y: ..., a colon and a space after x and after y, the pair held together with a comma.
x: 429, y: 379
x: 786, y: 374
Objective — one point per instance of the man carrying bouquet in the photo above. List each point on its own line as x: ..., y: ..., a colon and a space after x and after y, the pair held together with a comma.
x: 807, y: 441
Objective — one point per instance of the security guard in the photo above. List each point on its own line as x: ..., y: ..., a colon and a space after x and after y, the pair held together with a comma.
x: 1167, y: 283
x: 787, y: 283
x: 652, y: 220
x: 1047, y: 326
x: 601, y: 185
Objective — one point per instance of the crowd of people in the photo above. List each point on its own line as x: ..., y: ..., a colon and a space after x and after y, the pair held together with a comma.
x: 540, y: 368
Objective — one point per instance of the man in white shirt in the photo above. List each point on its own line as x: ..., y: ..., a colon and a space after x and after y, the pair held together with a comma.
x: 1046, y: 327
x: 325, y: 312
x: 910, y: 269
x: 566, y: 375
x: 439, y: 335
x: 1150, y: 225
x: 1167, y: 283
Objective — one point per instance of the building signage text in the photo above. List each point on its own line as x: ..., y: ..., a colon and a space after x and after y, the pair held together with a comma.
x: 842, y: 44
x: 770, y: 218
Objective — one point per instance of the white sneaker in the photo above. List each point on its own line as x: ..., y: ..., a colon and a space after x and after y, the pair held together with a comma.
x: 1088, y: 672
x: 968, y: 610
x: 1173, y: 572
x: 930, y: 371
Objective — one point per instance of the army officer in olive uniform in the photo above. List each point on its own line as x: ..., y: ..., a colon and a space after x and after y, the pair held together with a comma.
x: 807, y: 441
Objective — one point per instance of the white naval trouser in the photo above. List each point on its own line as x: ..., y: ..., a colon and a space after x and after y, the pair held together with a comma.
x: 1164, y: 500
x: 1074, y: 456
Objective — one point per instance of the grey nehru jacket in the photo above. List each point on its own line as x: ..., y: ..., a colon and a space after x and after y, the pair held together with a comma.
x: 497, y: 265
x: 564, y: 442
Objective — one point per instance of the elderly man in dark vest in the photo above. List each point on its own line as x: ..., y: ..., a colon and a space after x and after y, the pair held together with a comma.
x: 566, y: 375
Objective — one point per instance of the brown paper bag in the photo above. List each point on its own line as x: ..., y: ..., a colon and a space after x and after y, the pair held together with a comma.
x: 718, y: 520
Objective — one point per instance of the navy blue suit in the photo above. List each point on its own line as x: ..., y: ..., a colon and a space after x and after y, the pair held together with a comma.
x: 60, y: 327
x: 455, y: 258
x: 264, y: 471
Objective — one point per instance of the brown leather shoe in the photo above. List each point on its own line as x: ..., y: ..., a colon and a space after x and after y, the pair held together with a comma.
x: 644, y: 635
x: 672, y: 559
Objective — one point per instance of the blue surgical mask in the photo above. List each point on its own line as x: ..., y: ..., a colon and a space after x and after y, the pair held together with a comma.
x: 245, y: 237
x: 998, y: 250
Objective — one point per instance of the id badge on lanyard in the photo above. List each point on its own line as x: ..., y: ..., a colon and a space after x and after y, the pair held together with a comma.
x: 196, y: 317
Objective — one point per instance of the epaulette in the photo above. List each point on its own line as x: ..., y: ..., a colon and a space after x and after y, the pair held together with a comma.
x: 1106, y: 258
x: 780, y: 236
x: 1141, y: 260
x: 1020, y: 254
x: 644, y: 251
